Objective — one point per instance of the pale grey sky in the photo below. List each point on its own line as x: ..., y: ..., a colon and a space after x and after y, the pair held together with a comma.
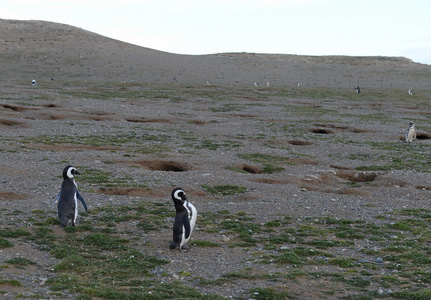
x: 303, y: 27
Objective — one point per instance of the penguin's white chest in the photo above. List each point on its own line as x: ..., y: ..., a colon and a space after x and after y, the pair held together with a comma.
x: 75, y: 198
x: 191, y: 215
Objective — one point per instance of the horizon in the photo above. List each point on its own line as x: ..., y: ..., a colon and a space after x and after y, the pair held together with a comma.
x: 293, y: 27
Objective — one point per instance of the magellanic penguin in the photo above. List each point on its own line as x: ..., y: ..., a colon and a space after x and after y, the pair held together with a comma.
x: 68, y: 198
x: 185, y: 219
x: 410, y: 133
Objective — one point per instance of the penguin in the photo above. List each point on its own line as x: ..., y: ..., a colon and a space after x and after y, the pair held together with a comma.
x: 68, y: 198
x: 410, y: 133
x: 410, y: 92
x: 33, y: 82
x: 358, y: 90
x: 185, y: 219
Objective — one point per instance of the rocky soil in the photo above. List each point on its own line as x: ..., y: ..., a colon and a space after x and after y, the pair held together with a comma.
x: 152, y: 137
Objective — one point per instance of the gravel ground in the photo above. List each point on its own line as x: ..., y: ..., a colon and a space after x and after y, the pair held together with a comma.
x: 324, y: 135
x: 313, y: 183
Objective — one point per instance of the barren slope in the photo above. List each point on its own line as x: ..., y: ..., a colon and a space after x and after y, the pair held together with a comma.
x: 44, y: 50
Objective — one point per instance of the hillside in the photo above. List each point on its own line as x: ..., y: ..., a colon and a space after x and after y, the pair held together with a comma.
x: 45, y: 50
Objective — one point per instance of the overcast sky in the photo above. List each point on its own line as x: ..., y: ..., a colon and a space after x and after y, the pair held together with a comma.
x: 303, y: 27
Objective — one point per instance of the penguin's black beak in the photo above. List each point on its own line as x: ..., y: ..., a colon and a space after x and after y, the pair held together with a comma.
x: 75, y: 172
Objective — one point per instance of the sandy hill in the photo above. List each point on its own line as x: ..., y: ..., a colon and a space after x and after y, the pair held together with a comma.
x: 45, y: 50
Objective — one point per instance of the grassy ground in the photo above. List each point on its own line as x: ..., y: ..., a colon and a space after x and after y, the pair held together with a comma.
x: 385, y: 256
x: 99, y: 258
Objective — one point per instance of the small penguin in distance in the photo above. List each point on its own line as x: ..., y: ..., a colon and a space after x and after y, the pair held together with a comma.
x: 68, y: 198
x: 410, y: 133
x: 358, y: 90
x: 185, y: 219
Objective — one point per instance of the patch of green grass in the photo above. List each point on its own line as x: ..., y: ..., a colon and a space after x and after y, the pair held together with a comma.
x: 289, y: 257
x: 268, y: 294
x: 417, y: 212
x: 5, y: 243
x: 203, y: 243
x: 209, y: 144
x: 11, y: 282
x: 146, y: 226
x: 358, y: 281
x: 104, y: 241
x: 13, y: 233
x: 417, y: 294
x: 72, y: 262
x: 270, y: 169
x: 344, y: 262
x: 400, y: 156
x: 225, y: 190
x: 324, y: 243
x: 227, y: 108
x: 348, y: 232
x: 271, y: 163
x: 20, y: 261
x: 263, y: 158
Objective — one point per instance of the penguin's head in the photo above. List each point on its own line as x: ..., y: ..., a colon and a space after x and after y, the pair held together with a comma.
x: 411, y: 123
x: 69, y: 172
x: 178, y: 194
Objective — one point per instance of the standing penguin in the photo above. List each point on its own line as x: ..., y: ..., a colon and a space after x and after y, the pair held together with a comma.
x: 68, y: 198
x: 410, y: 133
x: 185, y: 219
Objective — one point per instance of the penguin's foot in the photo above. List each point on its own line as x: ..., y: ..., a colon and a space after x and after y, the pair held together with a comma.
x: 183, y: 248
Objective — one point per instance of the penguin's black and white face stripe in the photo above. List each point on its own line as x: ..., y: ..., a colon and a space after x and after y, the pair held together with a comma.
x: 69, y: 172
x: 179, y: 195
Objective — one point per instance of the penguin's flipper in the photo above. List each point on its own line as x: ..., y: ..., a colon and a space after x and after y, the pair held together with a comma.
x: 81, y: 199
x: 187, y: 228
x: 56, y: 200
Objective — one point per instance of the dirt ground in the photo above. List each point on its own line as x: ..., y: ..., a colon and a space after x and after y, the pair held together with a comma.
x: 193, y: 135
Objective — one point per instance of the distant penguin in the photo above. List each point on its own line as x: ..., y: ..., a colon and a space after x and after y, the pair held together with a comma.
x: 268, y: 84
x: 410, y: 133
x: 410, y: 92
x: 68, y: 198
x: 255, y: 83
x: 208, y: 82
x: 33, y: 83
x: 358, y: 90
x: 185, y: 219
